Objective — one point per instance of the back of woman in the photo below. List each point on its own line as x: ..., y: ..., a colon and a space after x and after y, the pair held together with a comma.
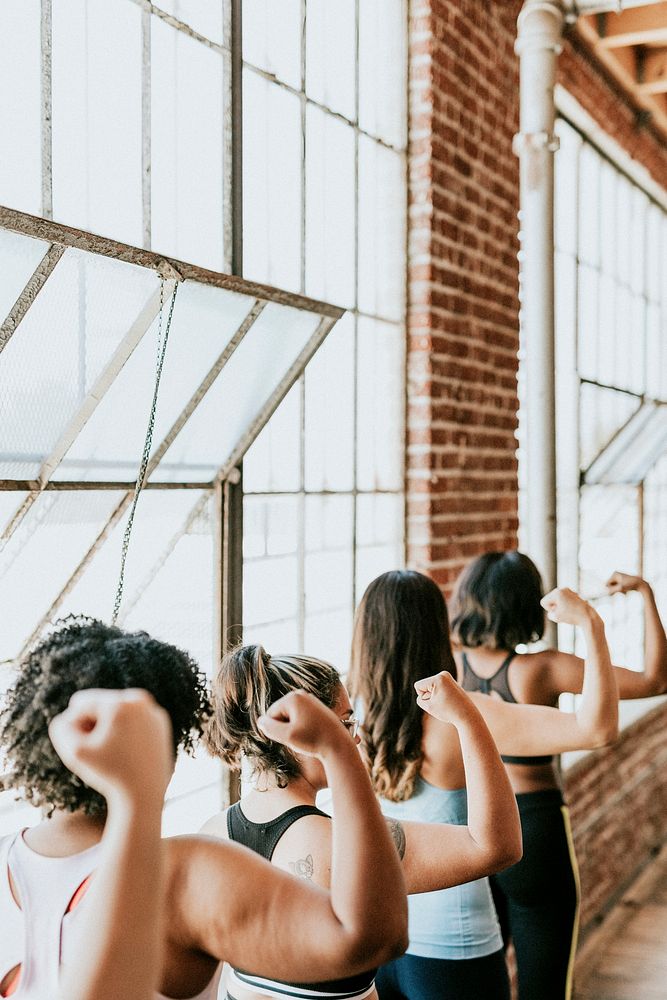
x: 401, y: 634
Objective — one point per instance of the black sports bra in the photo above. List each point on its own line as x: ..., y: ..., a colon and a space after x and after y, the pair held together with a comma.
x: 497, y: 683
x: 262, y: 838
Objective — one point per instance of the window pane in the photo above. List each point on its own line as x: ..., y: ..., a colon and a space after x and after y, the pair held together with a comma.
x: 380, y: 372
x: 240, y: 392
x: 566, y: 180
x: 381, y: 231
x: 330, y: 54
x: 41, y: 555
x: 272, y: 38
x: 272, y: 166
x: 270, y: 569
x: 19, y: 256
x: 329, y: 208
x: 380, y: 520
x: 110, y: 445
x: 67, y: 336
x: 97, y: 118
x: 382, y: 69
x: 589, y: 215
x: 329, y: 424
x: 273, y: 462
x: 206, y: 18
x: 328, y: 577
x: 187, y: 154
x: 20, y: 107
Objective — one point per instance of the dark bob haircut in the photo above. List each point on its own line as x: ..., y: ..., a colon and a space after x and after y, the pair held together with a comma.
x: 85, y: 653
x: 497, y: 602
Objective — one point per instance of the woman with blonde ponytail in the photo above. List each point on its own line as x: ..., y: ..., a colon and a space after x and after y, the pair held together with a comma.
x: 420, y: 766
x: 278, y: 817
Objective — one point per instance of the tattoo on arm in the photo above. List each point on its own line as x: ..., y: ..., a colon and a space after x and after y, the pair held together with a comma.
x: 303, y: 868
x: 398, y: 834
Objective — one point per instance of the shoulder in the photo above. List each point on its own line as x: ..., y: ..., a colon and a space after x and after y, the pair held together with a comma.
x: 305, y: 849
x: 216, y: 826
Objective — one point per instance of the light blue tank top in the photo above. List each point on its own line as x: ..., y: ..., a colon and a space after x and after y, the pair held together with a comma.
x: 454, y: 923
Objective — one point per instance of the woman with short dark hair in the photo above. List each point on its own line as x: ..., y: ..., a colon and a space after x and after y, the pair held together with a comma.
x: 496, y: 608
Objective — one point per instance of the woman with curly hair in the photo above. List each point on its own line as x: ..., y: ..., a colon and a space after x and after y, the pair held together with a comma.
x: 223, y: 903
x: 279, y: 819
x: 401, y: 633
x: 496, y: 608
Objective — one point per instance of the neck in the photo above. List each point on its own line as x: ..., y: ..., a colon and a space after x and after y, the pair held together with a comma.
x: 266, y: 802
x: 65, y: 833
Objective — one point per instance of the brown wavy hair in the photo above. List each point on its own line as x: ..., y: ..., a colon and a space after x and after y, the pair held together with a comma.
x: 401, y: 633
x: 247, y: 682
x: 496, y: 602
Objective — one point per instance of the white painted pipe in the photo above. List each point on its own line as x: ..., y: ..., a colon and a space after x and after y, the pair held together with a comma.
x: 540, y: 30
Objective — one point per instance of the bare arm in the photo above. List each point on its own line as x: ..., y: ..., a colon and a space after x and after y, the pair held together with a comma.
x: 440, y: 855
x: 360, y: 923
x: 526, y: 730
x: 119, y: 743
x: 566, y: 672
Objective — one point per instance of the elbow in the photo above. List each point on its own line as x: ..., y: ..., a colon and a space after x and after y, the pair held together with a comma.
x: 386, y: 940
x: 604, y: 736
x: 507, y: 854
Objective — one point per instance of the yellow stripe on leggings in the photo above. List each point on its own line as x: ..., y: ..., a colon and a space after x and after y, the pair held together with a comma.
x: 575, y: 929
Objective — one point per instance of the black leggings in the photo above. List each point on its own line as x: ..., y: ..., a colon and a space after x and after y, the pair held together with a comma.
x: 537, y: 899
x: 414, y: 978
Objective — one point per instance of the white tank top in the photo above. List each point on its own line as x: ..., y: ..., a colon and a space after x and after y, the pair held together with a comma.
x: 39, y: 935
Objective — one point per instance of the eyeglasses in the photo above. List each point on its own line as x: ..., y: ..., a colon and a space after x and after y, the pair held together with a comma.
x: 352, y: 726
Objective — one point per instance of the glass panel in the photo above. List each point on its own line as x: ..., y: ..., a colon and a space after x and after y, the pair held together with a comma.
x: 328, y: 577
x: 382, y: 69
x: 607, y: 216
x: 272, y: 38
x: 588, y: 321
x: 380, y: 418
x: 74, y: 325
x: 188, y: 810
x: 330, y: 220
x: 273, y: 462
x: 172, y: 594
x: 656, y: 355
x: 187, y: 150
x: 566, y: 179
x: 623, y: 225
x: 654, y: 223
x: 97, y: 171
x: 110, y: 445
x: 21, y: 106
x: 589, y: 214
x: 41, y: 555
x: 240, y: 392
x: 602, y: 413
x: 206, y: 18
x: 330, y: 54
x: 272, y: 168
x: 159, y: 521
x: 9, y: 504
x: 380, y: 530
x: 329, y: 424
x: 19, y: 256
x: 381, y: 230
x: 270, y: 568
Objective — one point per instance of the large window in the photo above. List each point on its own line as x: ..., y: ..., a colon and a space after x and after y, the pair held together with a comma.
x: 611, y: 294
x: 125, y: 121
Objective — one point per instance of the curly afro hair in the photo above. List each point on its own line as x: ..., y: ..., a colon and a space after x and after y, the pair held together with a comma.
x: 85, y: 653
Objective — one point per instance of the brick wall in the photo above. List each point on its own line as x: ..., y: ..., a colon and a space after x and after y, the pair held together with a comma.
x: 618, y: 804
x: 463, y: 341
x: 463, y: 281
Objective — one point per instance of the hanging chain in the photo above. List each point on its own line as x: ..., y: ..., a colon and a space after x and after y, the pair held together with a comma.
x: 141, y: 475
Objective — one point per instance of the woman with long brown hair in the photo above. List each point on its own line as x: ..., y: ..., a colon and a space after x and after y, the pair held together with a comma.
x: 401, y: 634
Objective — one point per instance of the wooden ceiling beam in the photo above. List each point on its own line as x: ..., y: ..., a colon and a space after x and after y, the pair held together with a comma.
x: 652, y: 71
x: 636, y: 26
